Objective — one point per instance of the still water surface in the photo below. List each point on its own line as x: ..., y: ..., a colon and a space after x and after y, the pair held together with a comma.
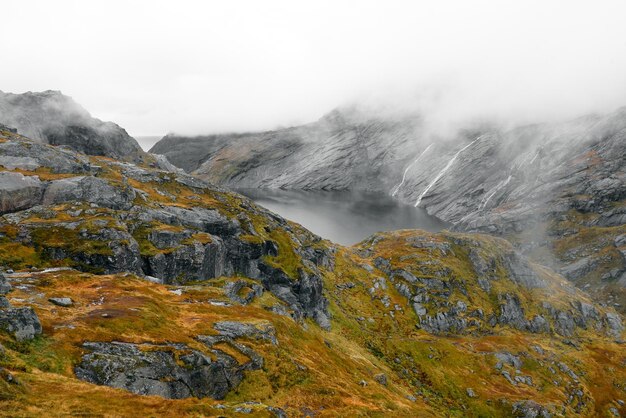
x: 344, y: 217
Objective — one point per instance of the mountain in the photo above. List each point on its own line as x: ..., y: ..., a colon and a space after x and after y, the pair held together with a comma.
x: 56, y: 119
x: 343, y: 150
x: 139, y: 289
x: 556, y: 190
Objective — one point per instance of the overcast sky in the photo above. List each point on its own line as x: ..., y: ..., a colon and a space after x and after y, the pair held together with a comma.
x: 211, y: 66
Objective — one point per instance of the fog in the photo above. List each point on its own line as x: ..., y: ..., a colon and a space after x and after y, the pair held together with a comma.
x: 195, y: 67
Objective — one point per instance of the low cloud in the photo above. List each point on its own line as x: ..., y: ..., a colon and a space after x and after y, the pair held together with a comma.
x: 200, y: 67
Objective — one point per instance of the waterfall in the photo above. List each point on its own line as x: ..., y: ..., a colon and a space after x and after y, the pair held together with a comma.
x: 493, y: 191
x: 442, y: 172
x: 395, y: 190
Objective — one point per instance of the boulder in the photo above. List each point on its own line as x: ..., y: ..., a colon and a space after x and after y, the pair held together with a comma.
x: 64, y: 302
x: 242, y: 292
x: 22, y: 323
x: 381, y: 378
x: 18, y: 192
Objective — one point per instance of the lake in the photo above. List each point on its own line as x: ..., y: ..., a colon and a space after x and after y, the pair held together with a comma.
x: 344, y: 217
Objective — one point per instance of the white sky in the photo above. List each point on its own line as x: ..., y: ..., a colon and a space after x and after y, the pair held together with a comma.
x: 210, y: 66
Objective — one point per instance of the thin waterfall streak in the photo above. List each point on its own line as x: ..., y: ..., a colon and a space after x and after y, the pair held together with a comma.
x: 442, y: 172
x: 396, y: 189
x: 495, y: 190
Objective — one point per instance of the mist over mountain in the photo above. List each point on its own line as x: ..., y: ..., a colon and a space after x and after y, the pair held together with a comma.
x: 56, y: 119
x: 525, y: 183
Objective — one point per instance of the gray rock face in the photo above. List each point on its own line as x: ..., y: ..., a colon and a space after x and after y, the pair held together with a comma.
x: 206, y: 220
x: 344, y: 150
x: 89, y: 189
x: 381, y: 378
x: 578, y: 268
x: 117, y: 251
x: 29, y: 155
x: 19, y: 192
x: 6, y: 128
x: 22, y: 323
x: 521, y: 272
x: 187, y: 263
x: 175, y: 371
x: 614, y: 324
x: 169, y: 371
x: 511, y: 312
x: 443, y: 323
x: 233, y: 330
x: 505, y: 358
x: 53, y: 118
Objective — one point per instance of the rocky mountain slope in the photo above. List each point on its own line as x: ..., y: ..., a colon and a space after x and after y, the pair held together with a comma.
x: 53, y: 118
x: 556, y: 190
x: 340, y: 151
x: 158, y: 293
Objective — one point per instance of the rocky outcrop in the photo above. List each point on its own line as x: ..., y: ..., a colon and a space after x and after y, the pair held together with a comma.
x: 19, y: 153
x: 91, y: 190
x: 22, y: 323
x: 54, y: 118
x: 170, y: 371
x: 120, y: 217
x: 492, y: 288
x: 175, y: 371
x: 530, y: 409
